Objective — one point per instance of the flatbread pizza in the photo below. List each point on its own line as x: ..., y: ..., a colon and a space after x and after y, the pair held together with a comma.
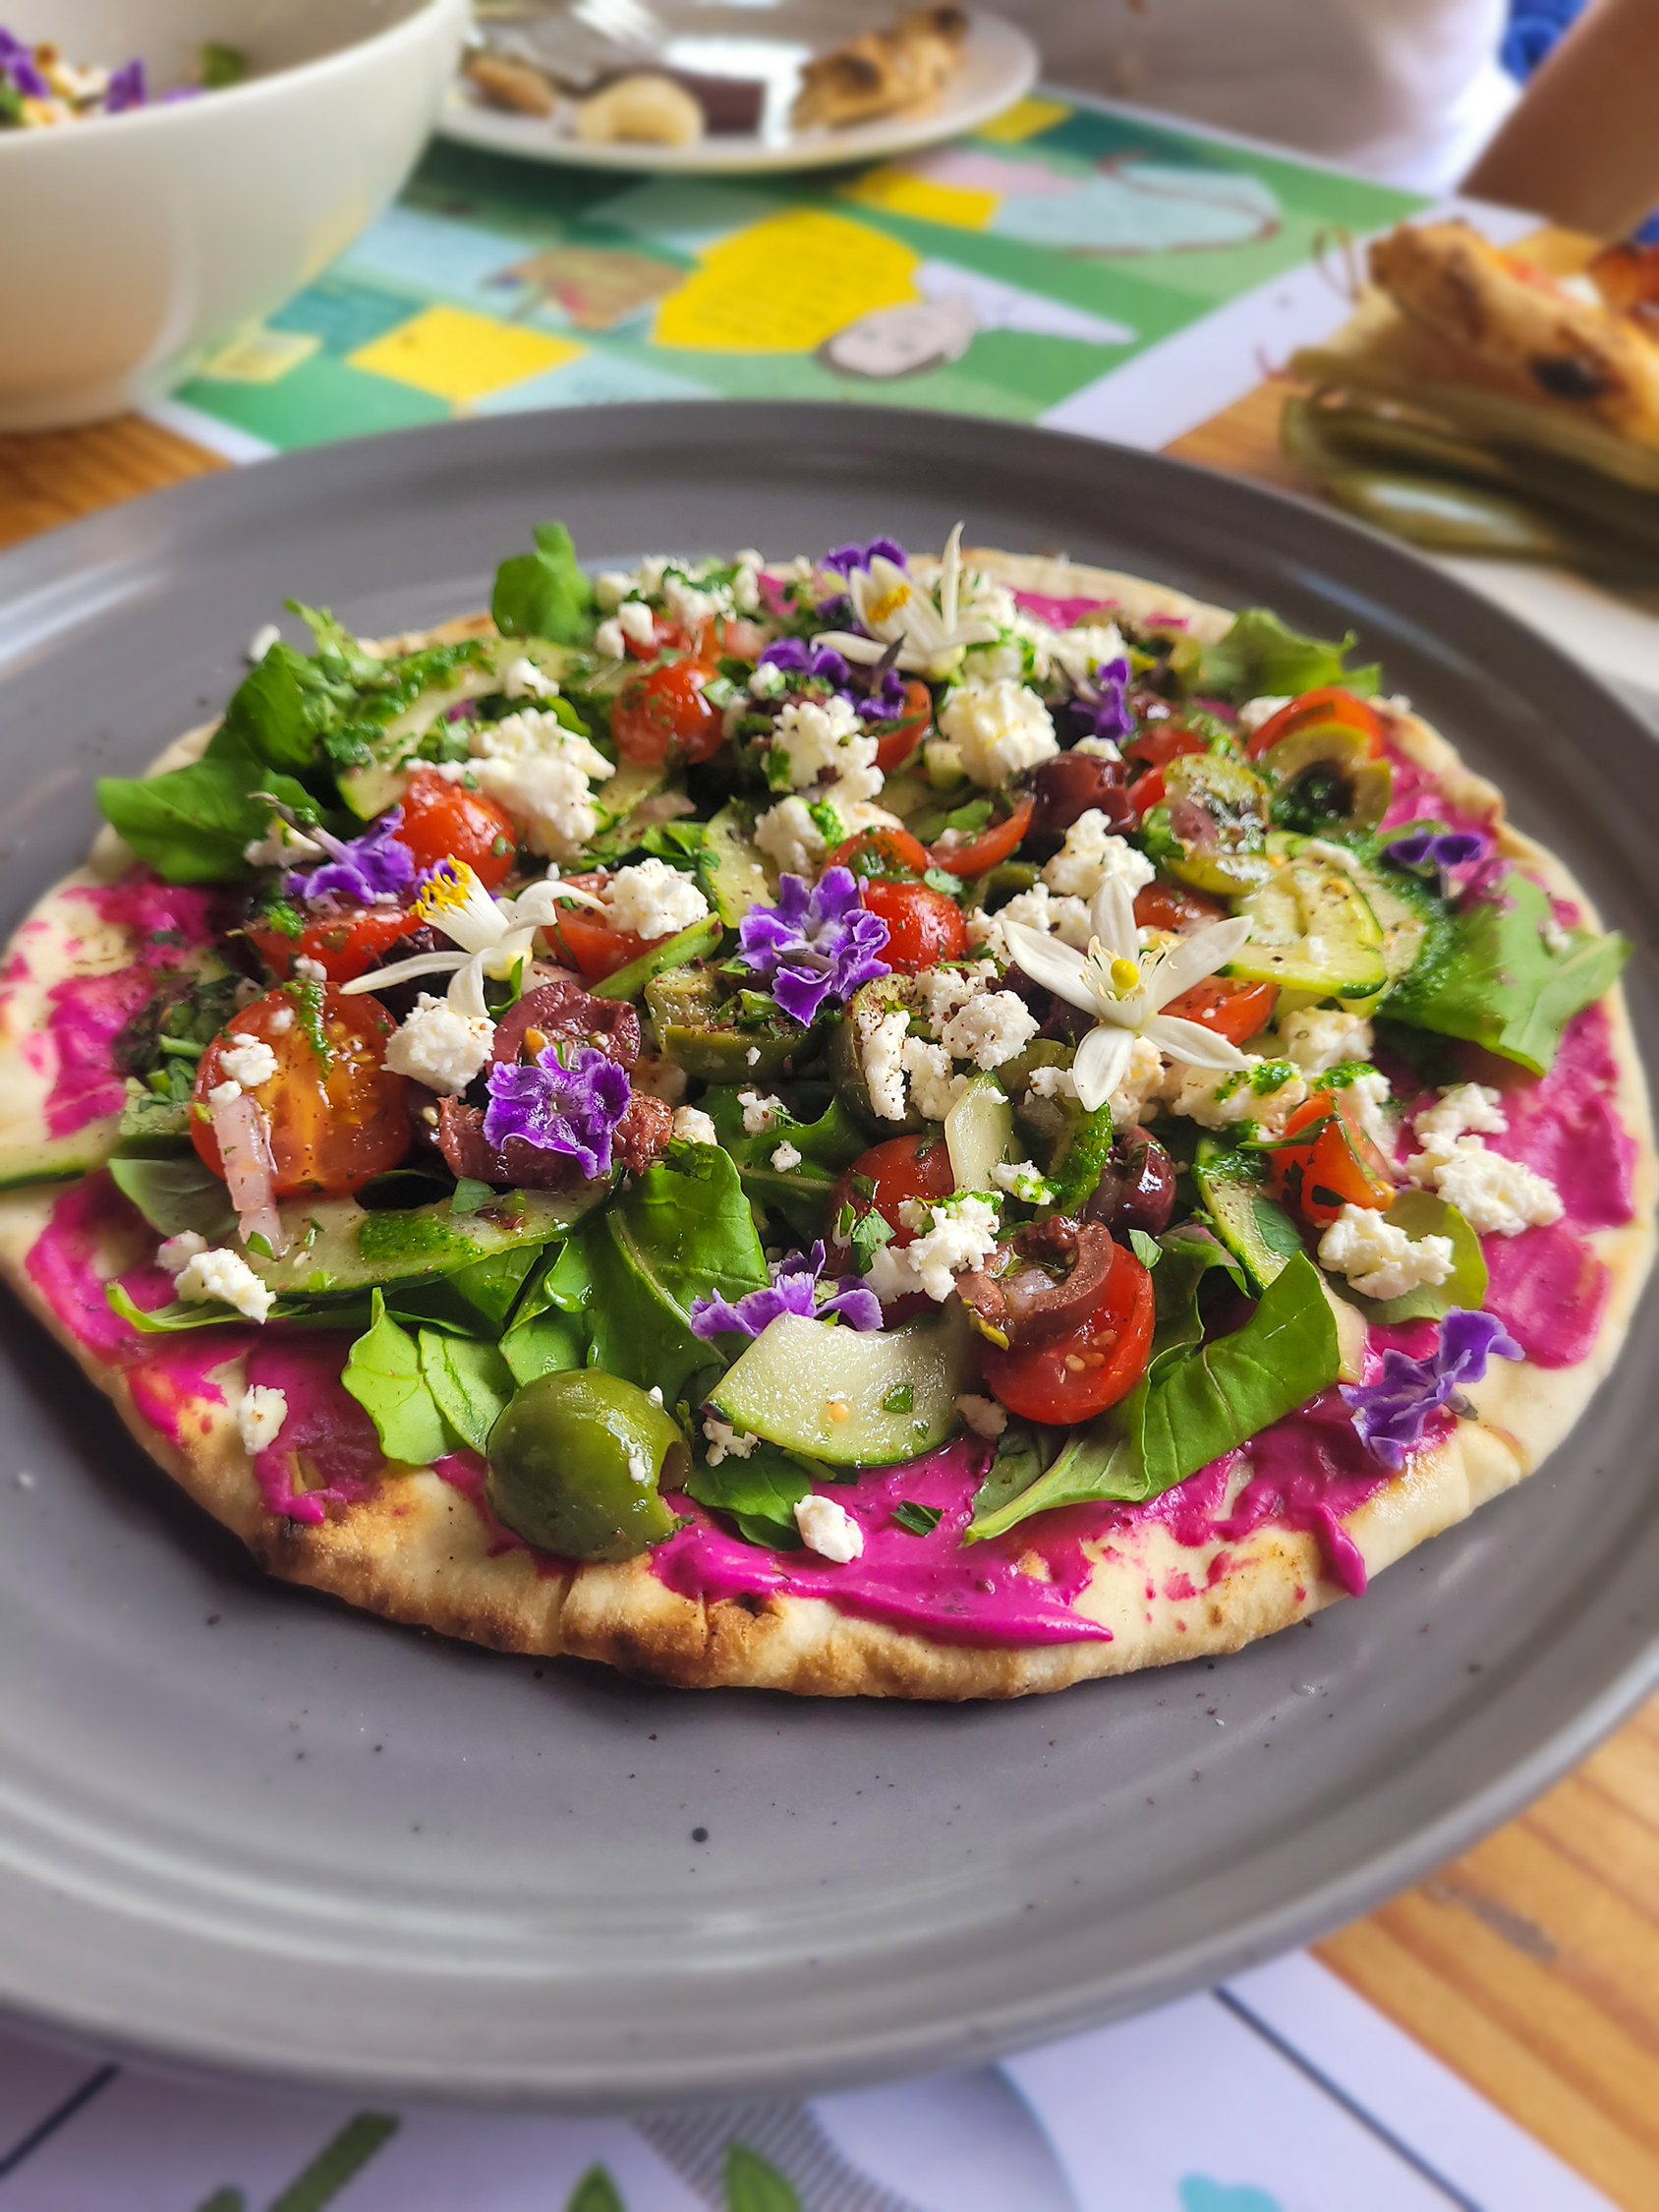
x: 880, y: 1123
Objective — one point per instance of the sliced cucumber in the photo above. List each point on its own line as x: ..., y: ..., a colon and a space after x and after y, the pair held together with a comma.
x: 1407, y: 912
x: 377, y: 783
x: 1253, y: 1228
x: 633, y: 784
x: 1312, y: 929
x: 339, y: 1246
x: 844, y: 1058
x: 737, y: 877
x: 56, y: 1159
x: 979, y: 1133
x: 851, y: 1397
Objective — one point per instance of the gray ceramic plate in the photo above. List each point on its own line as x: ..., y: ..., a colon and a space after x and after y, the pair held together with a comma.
x: 245, y: 1828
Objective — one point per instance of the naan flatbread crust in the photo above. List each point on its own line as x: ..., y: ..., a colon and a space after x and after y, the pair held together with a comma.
x: 419, y: 1551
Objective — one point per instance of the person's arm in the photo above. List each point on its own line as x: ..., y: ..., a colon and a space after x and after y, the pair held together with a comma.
x: 1581, y: 146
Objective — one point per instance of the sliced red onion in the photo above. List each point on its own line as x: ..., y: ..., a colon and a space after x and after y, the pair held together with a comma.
x: 242, y: 1134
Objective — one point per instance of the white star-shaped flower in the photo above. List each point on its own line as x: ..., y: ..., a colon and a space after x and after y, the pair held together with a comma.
x: 1125, y: 988
x: 893, y: 608
x: 494, y: 935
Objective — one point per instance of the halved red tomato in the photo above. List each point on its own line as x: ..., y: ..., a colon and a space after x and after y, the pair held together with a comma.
x: 1330, y: 1162
x: 337, y: 1114
x: 895, y: 743
x: 1332, y: 702
x: 978, y: 854
x: 924, y: 926
x: 1081, y: 1375
x: 1232, y: 1008
x: 344, y: 946
x: 664, y: 711
x: 595, y: 950
x: 883, y: 852
x: 1164, y: 742
x: 1171, y: 905
x: 444, y: 821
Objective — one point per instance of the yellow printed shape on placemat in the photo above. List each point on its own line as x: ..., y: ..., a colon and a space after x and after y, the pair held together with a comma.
x: 898, y: 191
x: 458, y: 356
x: 1024, y: 120
x: 785, y: 284
x: 260, y: 357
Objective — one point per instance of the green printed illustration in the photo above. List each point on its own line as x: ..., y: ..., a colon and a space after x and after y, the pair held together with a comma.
x: 341, y: 2159
x: 995, y: 276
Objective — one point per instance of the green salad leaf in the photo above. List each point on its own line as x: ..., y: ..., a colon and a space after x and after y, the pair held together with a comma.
x: 1496, y: 979
x: 758, y: 1494
x: 383, y: 1373
x: 192, y: 825
x: 175, y: 1194
x: 469, y: 1384
x: 1260, y: 658
x: 1424, y: 1213
x: 544, y: 594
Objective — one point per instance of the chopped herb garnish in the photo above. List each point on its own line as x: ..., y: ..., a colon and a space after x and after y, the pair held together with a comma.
x: 901, y: 1398
x: 919, y: 1520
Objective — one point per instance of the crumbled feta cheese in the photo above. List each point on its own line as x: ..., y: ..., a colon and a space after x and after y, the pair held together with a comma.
x: 540, y: 772
x: 1052, y: 1082
x: 261, y: 1415
x: 610, y: 587
x: 724, y: 1441
x: 761, y: 1112
x: 984, y: 1415
x: 1556, y: 939
x: 639, y: 1467
x: 1093, y: 855
x: 1037, y: 909
x: 994, y: 1027
x: 654, y: 1393
x: 688, y: 605
x: 941, y: 992
x: 752, y: 1058
x: 260, y: 644
x: 1142, y: 1079
x: 249, y: 1061
x: 1254, y: 712
x: 525, y: 680
x: 1319, y: 1039
x: 1379, y: 1259
x: 226, y: 1275
x: 935, y: 1086
x: 1495, y: 1196
x: 767, y: 680
x: 280, y: 1020
x: 610, y: 641
x: 881, y: 1050
x: 309, y: 970
x: 1024, y: 1180
x: 439, y: 1046
x: 1462, y: 1109
x: 637, y: 623
x: 1101, y: 748
x: 225, y: 1094
x: 828, y: 1529
x: 652, y: 900
x: 824, y: 737
x: 960, y: 1233
x: 1370, y: 1092
x: 998, y: 728
x: 786, y: 1157
x: 177, y: 1251
x: 1218, y: 1101
x: 787, y: 834
x: 693, y: 1127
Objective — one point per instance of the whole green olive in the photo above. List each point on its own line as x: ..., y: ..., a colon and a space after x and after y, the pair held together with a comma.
x: 576, y: 1462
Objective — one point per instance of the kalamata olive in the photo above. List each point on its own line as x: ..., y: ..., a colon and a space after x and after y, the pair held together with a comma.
x: 1137, y: 1187
x: 1067, y: 786
x: 1041, y: 1286
x: 577, y: 1462
x: 566, y: 1011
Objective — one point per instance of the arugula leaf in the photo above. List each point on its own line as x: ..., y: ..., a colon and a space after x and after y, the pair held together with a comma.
x: 759, y: 1495
x: 802, y: 1193
x: 1260, y: 658
x: 193, y: 1313
x: 1424, y: 1213
x: 1023, y: 1454
x: 544, y: 594
x: 684, y: 1230
x: 1493, y: 980
x: 382, y: 1373
x: 469, y: 1384
x: 1186, y: 1255
x: 1196, y: 1408
x: 176, y: 1193
x: 475, y: 1299
x: 194, y: 824
x: 595, y: 2191
x: 549, y: 1342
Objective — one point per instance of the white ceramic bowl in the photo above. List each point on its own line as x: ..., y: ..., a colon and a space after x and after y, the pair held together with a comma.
x: 132, y: 246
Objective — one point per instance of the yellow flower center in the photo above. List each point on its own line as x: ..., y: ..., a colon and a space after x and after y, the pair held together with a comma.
x: 889, y: 603
x: 1125, y: 975
x: 447, y: 889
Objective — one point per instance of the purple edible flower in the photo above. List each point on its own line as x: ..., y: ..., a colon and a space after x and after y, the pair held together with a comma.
x: 1392, y: 1413
x: 1111, y: 683
x: 813, y: 945
x: 370, y: 870
x: 886, y: 700
x: 127, y: 89
x: 797, y: 658
x: 845, y: 559
x: 570, y: 1109
x: 793, y: 1290
x: 17, y: 61
x: 1438, y: 848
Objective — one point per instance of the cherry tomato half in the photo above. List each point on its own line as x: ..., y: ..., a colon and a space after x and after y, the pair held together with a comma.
x: 1334, y: 1165
x: 880, y: 851
x: 1170, y: 905
x: 894, y: 745
x: 334, y: 1121
x: 343, y: 945
x: 443, y: 821
x: 595, y: 949
x: 924, y: 926
x: 664, y: 711
x: 886, y: 1176
x: 1146, y: 790
x: 1331, y: 703
x: 1081, y: 1375
x: 1156, y: 748
x: 1221, y: 1002
x: 978, y: 854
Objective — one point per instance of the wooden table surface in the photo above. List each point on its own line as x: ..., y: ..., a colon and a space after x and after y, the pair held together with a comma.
x: 1531, y: 1964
